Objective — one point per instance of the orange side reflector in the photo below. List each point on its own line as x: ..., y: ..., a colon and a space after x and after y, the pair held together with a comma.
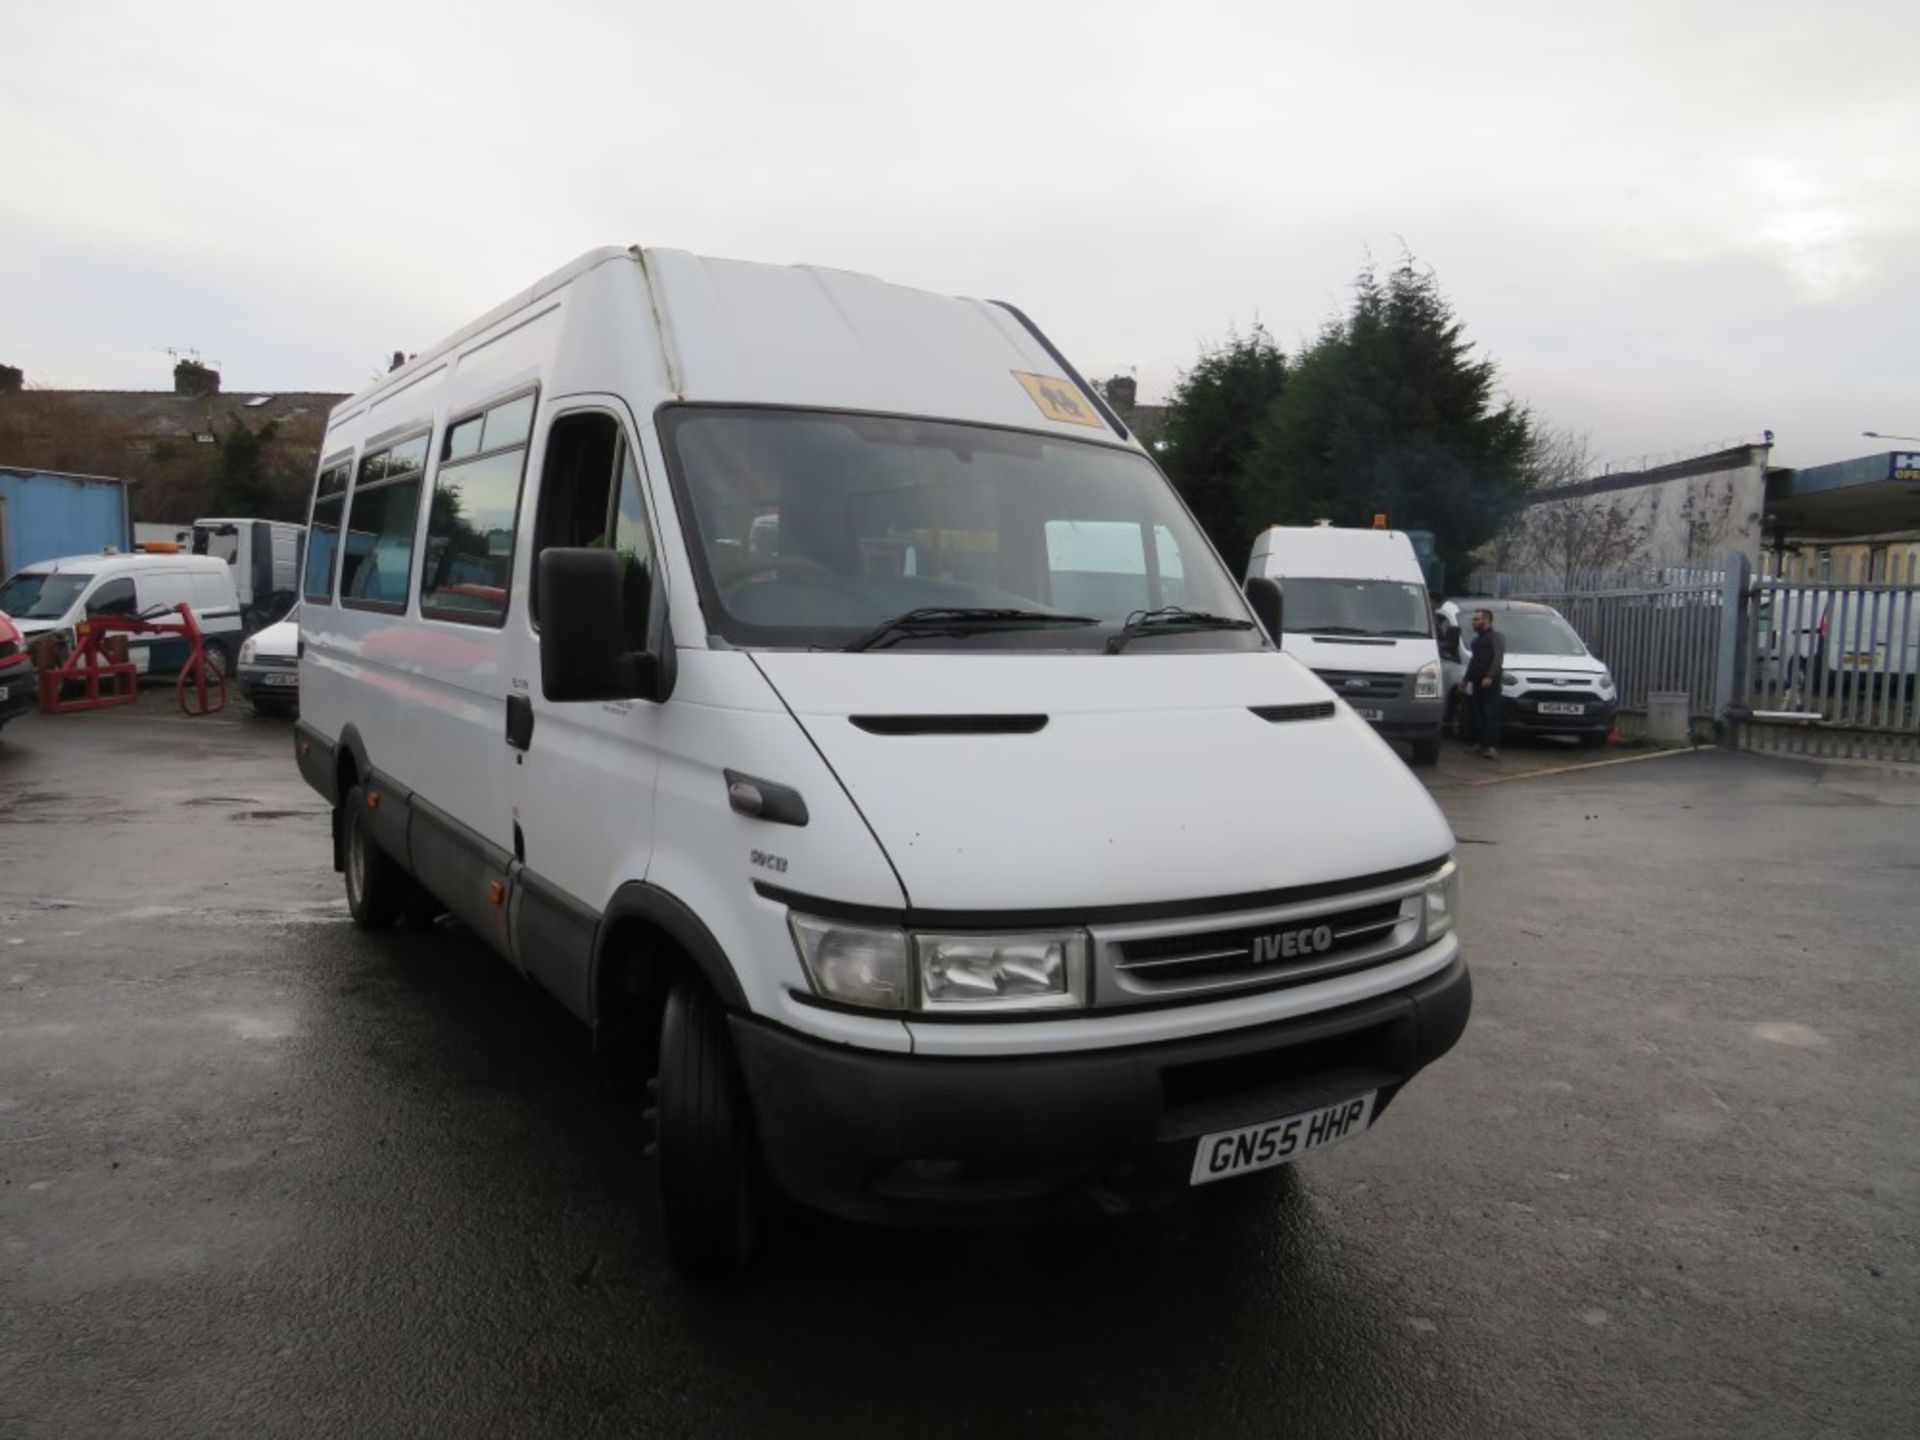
x: 1379, y: 520
x: 306, y: 747
x: 496, y: 890
x: 373, y: 800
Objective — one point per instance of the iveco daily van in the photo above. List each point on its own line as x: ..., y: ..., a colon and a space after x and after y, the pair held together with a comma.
x: 1358, y: 616
x: 815, y: 687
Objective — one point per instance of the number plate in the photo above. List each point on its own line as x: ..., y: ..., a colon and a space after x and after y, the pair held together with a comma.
x: 1376, y: 716
x: 1561, y: 707
x: 288, y: 680
x: 1258, y: 1147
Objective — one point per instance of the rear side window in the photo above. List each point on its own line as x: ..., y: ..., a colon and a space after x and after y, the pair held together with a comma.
x: 323, y: 534
x: 467, y: 574
x: 378, y: 561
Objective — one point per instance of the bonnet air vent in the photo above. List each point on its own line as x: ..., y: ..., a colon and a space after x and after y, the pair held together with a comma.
x: 951, y: 724
x: 1278, y: 714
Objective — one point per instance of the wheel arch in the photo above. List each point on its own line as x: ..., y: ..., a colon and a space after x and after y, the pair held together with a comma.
x: 646, y: 937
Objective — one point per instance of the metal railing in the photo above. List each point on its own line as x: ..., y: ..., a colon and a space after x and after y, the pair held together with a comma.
x: 1831, y: 660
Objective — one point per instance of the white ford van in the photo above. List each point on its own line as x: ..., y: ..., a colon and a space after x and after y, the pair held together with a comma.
x: 1358, y: 616
x: 812, y: 685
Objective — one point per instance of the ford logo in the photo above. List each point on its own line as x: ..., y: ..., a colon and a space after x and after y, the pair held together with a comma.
x: 1290, y: 944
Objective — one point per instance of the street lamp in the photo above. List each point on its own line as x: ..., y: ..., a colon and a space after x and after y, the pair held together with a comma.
x: 1876, y: 435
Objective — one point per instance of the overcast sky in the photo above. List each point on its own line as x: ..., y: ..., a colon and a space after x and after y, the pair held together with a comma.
x: 1672, y: 224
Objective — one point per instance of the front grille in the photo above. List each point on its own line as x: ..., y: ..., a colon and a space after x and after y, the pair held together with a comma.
x: 8, y: 649
x: 273, y: 662
x: 1291, y: 945
x: 1556, y: 697
x: 1356, y: 685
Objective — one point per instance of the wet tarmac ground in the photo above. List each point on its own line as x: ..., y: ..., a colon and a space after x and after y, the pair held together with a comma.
x: 261, y: 1174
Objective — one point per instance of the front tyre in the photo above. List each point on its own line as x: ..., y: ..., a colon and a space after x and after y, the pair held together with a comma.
x: 376, y: 885
x: 707, y: 1164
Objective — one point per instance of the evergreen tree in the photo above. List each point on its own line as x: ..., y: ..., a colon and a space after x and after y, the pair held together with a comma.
x: 1388, y: 411
x: 241, y: 485
x: 1213, y: 421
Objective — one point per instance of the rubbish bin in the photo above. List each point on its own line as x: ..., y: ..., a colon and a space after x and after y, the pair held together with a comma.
x: 1667, y: 715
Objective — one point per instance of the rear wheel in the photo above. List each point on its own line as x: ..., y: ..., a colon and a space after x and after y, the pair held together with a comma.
x: 706, y: 1162
x: 1427, y: 752
x: 376, y: 885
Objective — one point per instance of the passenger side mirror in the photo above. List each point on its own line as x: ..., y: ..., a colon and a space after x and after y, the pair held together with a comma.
x: 582, y: 622
x: 1264, y: 596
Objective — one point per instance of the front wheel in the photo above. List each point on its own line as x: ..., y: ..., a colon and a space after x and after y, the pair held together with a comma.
x: 1427, y: 752
x: 707, y: 1167
x: 376, y: 885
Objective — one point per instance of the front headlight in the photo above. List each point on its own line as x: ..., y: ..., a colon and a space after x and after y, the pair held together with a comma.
x: 860, y: 964
x: 888, y: 969
x: 1426, y: 681
x: 1509, y: 681
x: 1606, y: 682
x: 1039, y: 971
x: 1442, y: 902
x: 248, y: 650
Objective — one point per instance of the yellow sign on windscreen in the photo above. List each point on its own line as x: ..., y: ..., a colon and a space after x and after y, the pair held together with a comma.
x: 1059, y: 399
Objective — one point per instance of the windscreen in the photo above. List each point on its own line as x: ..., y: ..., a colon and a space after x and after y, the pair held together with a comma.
x: 1355, y: 607
x: 1537, y: 632
x: 41, y: 595
x: 812, y: 528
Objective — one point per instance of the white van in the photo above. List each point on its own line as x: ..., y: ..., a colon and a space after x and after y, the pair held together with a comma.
x: 752, y: 656
x: 56, y: 595
x: 1358, y: 616
x: 265, y: 558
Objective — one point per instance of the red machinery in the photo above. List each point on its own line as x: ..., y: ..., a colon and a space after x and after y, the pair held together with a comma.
x: 112, y: 679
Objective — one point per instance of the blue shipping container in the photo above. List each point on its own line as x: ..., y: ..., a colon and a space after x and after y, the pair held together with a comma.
x: 44, y: 516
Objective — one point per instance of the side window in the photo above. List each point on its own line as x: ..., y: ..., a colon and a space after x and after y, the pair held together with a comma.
x: 591, y: 495
x: 468, y: 570
x: 381, y: 511
x: 114, y: 597
x: 323, y: 533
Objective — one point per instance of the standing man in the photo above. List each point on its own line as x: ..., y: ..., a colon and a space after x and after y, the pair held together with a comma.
x: 1485, y: 668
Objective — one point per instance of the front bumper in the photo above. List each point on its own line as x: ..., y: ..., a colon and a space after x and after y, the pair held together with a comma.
x: 1523, y: 716
x: 255, y: 684
x: 22, y: 684
x: 1403, y: 719
x: 906, y: 1139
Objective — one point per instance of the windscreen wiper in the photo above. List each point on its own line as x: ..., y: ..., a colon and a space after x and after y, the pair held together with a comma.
x: 960, y: 620
x: 1170, y: 620
x: 1332, y: 630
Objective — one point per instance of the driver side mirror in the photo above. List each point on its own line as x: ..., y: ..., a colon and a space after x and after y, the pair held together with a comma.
x: 583, y: 654
x: 1265, y: 598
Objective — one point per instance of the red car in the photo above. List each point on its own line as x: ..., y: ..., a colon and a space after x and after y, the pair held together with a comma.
x: 19, y: 685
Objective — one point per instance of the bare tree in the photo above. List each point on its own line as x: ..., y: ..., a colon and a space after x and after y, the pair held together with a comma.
x: 1578, y: 532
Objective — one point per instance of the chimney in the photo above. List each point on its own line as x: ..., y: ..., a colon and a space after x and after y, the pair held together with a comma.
x: 1121, y: 392
x: 190, y: 377
x: 11, y: 380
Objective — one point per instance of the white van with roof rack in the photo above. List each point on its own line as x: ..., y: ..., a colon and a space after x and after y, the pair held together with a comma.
x: 813, y: 685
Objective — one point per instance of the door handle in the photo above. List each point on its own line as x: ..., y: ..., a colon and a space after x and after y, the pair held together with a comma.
x: 519, y: 721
